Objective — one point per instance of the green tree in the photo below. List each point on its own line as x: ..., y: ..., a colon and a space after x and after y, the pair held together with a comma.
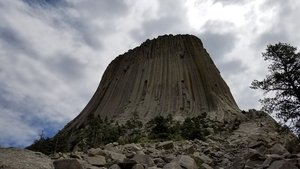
x: 162, y: 127
x: 195, y: 128
x: 281, y: 86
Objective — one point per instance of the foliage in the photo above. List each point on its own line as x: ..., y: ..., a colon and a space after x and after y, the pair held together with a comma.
x: 101, y: 132
x: 282, y: 83
x: 43, y: 144
x: 195, y: 128
x: 163, y: 128
x: 133, y: 130
x: 97, y: 132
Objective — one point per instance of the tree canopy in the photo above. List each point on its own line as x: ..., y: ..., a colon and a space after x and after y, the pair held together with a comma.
x: 281, y: 84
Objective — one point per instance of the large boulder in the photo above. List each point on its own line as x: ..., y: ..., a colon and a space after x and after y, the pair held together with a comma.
x: 172, y: 165
x: 14, y: 158
x: 96, y: 160
x: 146, y: 160
x: 67, y: 164
x: 186, y: 162
x: 282, y: 164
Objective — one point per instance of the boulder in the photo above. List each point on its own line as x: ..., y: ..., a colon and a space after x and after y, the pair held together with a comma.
x: 14, y: 158
x: 159, y: 162
x: 76, y: 155
x: 254, y: 155
x: 238, y: 163
x: 96, y: 160
x: 127, y: 164
x: 143, y: 159
x: 282, y: 164
x: 206, y: 166
x: 202, y: 158
x: 254, y: 144
x: 138, y: 166
x: 165, y: 145
x: 133, y: 147
x: 186, y: 162
x: 169, y: 158
x: 96, y: 151
x: 277, y: 149
x: 116, y: 157
x: 154, y: 167
x: 115, y: 166
x: 67, y: 164
x: 172, y: 165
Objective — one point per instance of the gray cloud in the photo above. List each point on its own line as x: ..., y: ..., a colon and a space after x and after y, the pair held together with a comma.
x: 107, y: 9
x: 272, y: 37
x: 218, y: 44
x: 169, y: 22
x: 13, y: 41
x: 284, y: 28
x: 67, y: 67
x: 44, y: 3
x: 152, y: 28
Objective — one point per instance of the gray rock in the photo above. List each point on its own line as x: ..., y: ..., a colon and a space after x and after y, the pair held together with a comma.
x: 202, y: 158
x: 133, y: 147
x: 172, y: 165
x: 277, y: 149
x: 143, y: 159
x: 96, y: 160
x: 127, y: 164
x: 169, y: 158
x: 267, y: 162
x: 67, y: 164
x: 138, y: 166
x: 116, y: 157
x: 186, y: 162
x: 75, y: 155
x: 96, y: 151
x: 159, y: 162
x: 156, y: 154
x: 13, y: 158
x: 189, y: 149
x: 254, y: 144
x: 165, y: 145
x: 238, y: 163
x: 254, y: 155
x: 253, y: 164
x: 282, y: 164
x: 206, y: 166
x: 153, y: 167
x: 115, y: 166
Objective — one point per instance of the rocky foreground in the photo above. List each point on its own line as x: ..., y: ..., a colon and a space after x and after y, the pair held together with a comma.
x: 256, y: 143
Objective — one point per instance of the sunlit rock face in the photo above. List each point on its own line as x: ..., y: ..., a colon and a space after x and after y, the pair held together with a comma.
x: 167, y: 75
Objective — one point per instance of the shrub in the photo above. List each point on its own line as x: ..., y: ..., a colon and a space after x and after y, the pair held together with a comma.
x: 195, y: 128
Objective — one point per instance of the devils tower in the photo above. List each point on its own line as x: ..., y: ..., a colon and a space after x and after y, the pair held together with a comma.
x: 167, y: 75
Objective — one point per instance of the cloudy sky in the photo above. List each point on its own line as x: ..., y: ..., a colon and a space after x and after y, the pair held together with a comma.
x: 54, y: 52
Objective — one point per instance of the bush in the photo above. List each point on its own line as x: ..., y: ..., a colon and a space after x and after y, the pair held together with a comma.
x: 195, y: 128
x: 43, y: 145
x: 97, y: 132
x: 163, y: 128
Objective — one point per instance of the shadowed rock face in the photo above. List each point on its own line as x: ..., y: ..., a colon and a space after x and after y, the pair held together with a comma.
x: 167, y: 75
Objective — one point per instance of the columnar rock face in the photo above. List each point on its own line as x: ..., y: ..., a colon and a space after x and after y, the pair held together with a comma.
x: 167, y: 75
